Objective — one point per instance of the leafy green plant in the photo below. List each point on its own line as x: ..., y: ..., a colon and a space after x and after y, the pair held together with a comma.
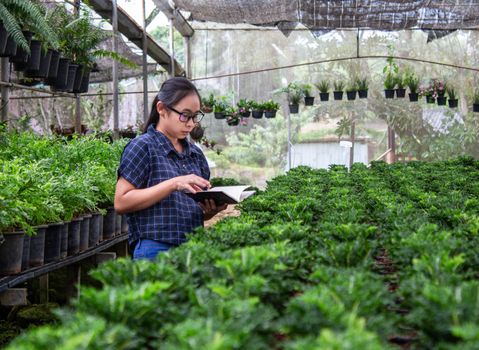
x: 411, y: 80
x: 362, y: 83
x: 294, y: 92
x: 323, y: 86
x: 271, y: 105
x: 390, y: 82
x: 306, y: 89
x: 339, y: 85
x: 208, y: 101
x: 451, y: 91
x: 475, y: 97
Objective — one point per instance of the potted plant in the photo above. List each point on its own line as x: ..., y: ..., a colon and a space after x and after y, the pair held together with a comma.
x: 452, y: 97
x: 475, y: 105
x: 270, y: 108
x: 323, y: 87
x: 306, y: 91
x: 220, y: 109
x: 232, y: 116
x: 295, y: 94
x: 338, y: 90
x: 362, y: 86
x: 208, y: 103
x: 440, y: 88
x: 400, y: 84
x: 257, y: 109
x: 412, y: 82
x: 244, y: 108
x: 389, y: 85
x: 351, y: 91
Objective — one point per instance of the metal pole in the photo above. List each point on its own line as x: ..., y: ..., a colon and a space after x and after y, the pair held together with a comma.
x: 187, y: 56
x: 4, y: 88
x: 172, y: 49
x: 77, y: 96
x: 351, y: 150
x: 115, y: 71
x: 289, y: 138
x: 393, y: 145
x: 145, y: 67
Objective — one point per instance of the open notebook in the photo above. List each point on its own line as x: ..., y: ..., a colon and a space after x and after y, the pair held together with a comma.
x: 223, y: 194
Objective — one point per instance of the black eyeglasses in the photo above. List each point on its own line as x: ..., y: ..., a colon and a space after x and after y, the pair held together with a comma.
x: 184, y: 117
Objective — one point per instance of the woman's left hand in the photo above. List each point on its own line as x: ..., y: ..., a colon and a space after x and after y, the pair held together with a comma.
x: 210, y: 209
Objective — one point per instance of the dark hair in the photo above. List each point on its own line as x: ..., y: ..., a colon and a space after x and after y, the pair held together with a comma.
x: 171, y: 92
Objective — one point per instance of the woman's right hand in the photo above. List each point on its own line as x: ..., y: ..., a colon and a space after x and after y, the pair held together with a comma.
x: 191, y: 183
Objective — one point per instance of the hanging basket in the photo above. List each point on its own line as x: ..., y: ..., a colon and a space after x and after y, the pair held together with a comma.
x: 324, y: 96
x: 413, y: 97
x: 78, y: 79
x: 62, y: 74
x: 475, y: 107
x: 220, y: 115
x: 293, y: 109
x: 338, y: 95
x: 441, y: 100
x: 269, y: 114
x: 400, y: 93
x: 363, y: 94
x: 257, y: 114
x: 42, y: 71
x: 351, y: 95
x: 389, y: 93
x: 308, y: 101
x: 453, y: 103
x: 52, y: 72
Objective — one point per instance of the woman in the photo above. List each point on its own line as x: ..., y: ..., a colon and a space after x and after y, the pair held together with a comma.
x: 158, y: 167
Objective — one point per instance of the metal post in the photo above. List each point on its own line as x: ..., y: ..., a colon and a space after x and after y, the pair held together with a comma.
x: 186, y: 41
x: 115, y: 70
x: 172, y: 49
x: 351, y: 150
x: 289, y: 138
x: 145, y: 66
x: 392, y: 138
x: 5, y: 89
x: 77, y: 96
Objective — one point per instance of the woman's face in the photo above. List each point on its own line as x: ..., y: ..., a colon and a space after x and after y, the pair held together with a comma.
x: 188, y: 106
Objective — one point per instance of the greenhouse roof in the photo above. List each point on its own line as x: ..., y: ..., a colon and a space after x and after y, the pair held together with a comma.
x: 336, y: 14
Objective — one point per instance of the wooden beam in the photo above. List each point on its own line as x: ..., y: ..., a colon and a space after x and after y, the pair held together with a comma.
x: 179, y: 22
x: 14, y: 297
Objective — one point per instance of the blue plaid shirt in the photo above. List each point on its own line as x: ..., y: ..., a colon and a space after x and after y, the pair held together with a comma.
x: 148, y: 160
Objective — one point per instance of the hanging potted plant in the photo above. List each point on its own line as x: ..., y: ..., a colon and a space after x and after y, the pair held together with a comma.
x: 338, y: 90
x: 440, y: 88
x: 400, y: 84
x: 391, y: 70
x: 452, y: 97
x: 257, y: 109
x: 351, y: 91
x: 362, y: 86
x: 389, y: 85
x: 475, y: 105
x: 244, y: 108
x: 197, y: 132
x: 306, y: 91
x: 208, y: 103
x: 232, y: 116
x: 412, y: 82
x: 270, y: 108
x: 323, y: 87
x: 220, y: 109
x: 294, y: 93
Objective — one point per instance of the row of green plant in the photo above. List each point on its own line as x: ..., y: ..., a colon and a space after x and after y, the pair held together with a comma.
x: 223, y: 105
x: 49, y: 179
x: 323, y: 259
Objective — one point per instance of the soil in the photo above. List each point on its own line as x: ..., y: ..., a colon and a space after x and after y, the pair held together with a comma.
x: 229, y: 211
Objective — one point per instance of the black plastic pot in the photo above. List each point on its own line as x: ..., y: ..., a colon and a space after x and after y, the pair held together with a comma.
x: 26, y: 253
x: 269, y: 114
x: 338, y: 95
x: 42, y: 71
x: 351, y: 95
x: 413, y: 96
x: 441, y: 100
x: 430, y: 99
x: 117, y: 224
x: 53, y: 242
x: 257, y: 114
x: 293, y: 109
x: 33, y: 61
x: 220, y: 115
x: 308, y: 100
x: 100, y: 228
x: 62, y: 74
x: 85, y: 81
x: 109, y: 223
x: 74, y: 236
x: 400, y: 93
x: 94, y: 236
x: 78, y: 79
x: 37, y: 247
x: 21, y: 55
x: 245, y: 114
x: 124, y: 224
x: 363, y: 93
x: 3, y: 39
x: 453, y: 103
x: 233, y: 122
x: 64, y: 240
x: 53, y: 68
x: 11, y: 253
x: 85, y: 232
x: 475, y: 107
x: 389, y: 93
x: 324, y: 96
x: 72, y: 71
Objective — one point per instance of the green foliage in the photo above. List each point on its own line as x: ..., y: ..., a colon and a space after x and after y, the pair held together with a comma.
x: 475, y: 97
x: 323, y: 86
x: 362, y: 83
x: 339, y: 85
x: 270, y: 105
x: 209, y: 101
x: 451, y: 91
x: 294, y: 91
x: 390, y: 82
x: 411, y: 80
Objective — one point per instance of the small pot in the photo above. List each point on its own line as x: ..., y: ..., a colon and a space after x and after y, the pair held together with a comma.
x: 413, y: 96
x: 11, y: 251
x: 74, y: 236
x: 400, y: 93
x: 109, y: 223
x: 37, y: 247
x: 351, y: 95
x: 257, y: 114
x: 308, y: 100
x: 52, y: 72
x: 389, y: 93
x: 53, y: 242
x: 245, y: 114
x: 338, y: 95
x: 232, y: 122
x: 269, y: 114
x: 207, y: 109
x: 94, y: 236
x: 42, y: 71
x: 324, y: 96
x: 84, y: 232
x: 475, y: 107
x: 430, y: 99
x: 293, y: 109
x: 62, y: 74
x: 85, y: 81
x: 220, y: 115
x: 21, y: 56
x: 78, y: 79
x: 363, y: 93
x: 453, y: 103
x: 441, y: 100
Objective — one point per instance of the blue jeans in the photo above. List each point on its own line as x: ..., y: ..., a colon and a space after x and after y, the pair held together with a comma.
x: 149, y: 249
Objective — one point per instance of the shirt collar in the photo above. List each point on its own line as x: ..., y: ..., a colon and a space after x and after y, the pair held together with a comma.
x: 167, y: 147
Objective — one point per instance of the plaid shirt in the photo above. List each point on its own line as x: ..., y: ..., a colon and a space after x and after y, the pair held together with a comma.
x: 148, y: 160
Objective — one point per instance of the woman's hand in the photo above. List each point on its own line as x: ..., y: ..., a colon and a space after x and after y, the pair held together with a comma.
x: 191, y: 183
x: 210, y: 209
